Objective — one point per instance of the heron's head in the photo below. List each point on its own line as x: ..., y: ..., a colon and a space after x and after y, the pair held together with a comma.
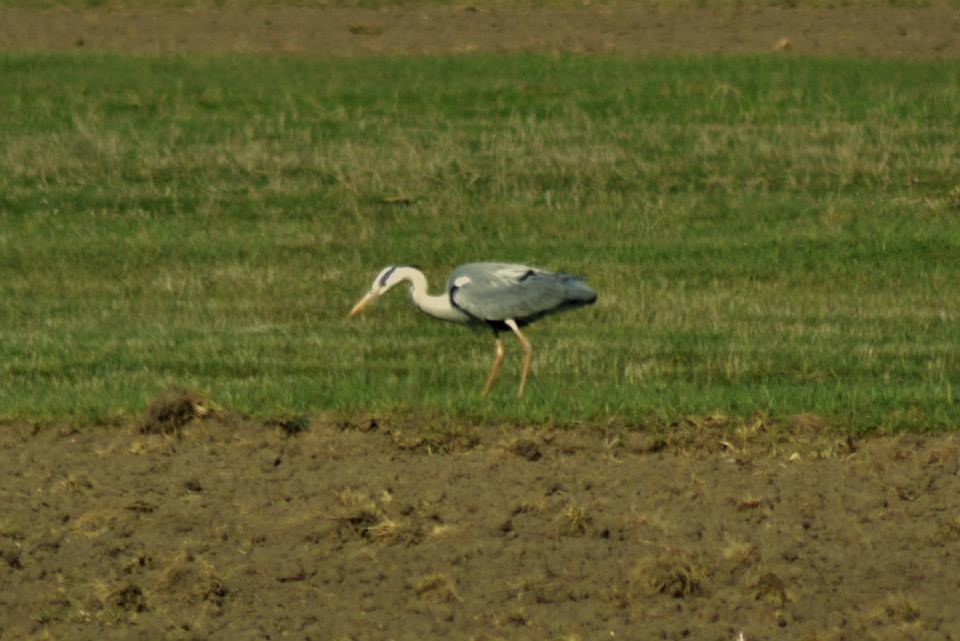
x: 386, y: 280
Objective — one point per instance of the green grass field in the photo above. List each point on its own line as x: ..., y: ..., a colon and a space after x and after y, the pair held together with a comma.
x: 768, y: 234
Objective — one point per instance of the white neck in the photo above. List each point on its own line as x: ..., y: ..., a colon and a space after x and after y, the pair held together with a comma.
x: 436, y: 306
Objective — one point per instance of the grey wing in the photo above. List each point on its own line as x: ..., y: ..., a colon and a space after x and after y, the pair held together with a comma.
x: 501, y: 291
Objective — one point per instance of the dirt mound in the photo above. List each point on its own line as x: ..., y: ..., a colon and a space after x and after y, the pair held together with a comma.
x: 173, y: 409
x: 373, y: 528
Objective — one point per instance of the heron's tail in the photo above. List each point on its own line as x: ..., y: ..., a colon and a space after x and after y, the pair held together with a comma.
x: 578, y: 292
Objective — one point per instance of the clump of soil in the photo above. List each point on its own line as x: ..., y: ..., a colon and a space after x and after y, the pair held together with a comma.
x: 771, y: 589
x: 172, y: 410
x: 129, y: 598
x: 289, y: 425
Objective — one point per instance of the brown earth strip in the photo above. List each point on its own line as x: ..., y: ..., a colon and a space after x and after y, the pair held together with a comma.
x: 228, y: 529
x: 931, y: 32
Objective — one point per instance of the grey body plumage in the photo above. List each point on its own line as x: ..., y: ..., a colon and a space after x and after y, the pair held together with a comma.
x: 495, y: 292
x: 500, y: 295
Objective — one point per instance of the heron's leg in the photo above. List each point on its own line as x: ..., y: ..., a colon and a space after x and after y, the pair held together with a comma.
x: 527, y: 353
x: 496, y: 367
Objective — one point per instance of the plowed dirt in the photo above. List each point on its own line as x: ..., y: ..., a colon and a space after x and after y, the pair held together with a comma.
x: 228, y: 529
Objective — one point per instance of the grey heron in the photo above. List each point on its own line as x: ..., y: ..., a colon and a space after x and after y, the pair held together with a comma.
x: 500, y: 295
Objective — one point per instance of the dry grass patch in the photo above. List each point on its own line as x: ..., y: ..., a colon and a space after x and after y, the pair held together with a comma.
x: 951, y: 529
x: 191, y: 578
x: 675, y: 573
x: 897, y: 610
x: 573, y: 520
x: 367, y: 518
x: 100, y: 521
x: 437, y: 588
x: 740, y: 553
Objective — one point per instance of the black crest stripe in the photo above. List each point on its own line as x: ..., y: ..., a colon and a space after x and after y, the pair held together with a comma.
x: 386, y: 275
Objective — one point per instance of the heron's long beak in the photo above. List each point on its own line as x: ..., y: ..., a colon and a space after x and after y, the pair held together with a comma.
x: 359, y: 307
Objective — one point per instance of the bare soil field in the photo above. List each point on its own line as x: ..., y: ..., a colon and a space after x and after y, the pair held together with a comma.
x: 225, y: 528
x: 883, y: 31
